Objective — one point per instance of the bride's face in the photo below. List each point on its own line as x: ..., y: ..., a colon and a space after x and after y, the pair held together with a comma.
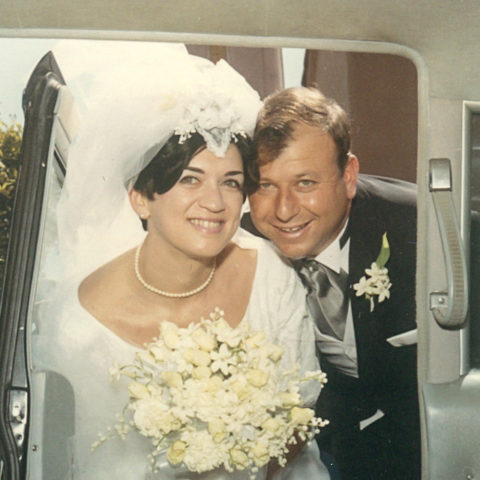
x: 200, y: 213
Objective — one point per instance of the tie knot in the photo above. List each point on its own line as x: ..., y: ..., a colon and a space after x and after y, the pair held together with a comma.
x: 310, y: 264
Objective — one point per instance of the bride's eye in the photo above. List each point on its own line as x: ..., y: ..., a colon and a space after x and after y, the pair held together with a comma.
x: 231, y: 182
x: 189, y: 180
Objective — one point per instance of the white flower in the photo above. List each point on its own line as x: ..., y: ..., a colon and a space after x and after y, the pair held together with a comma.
x: 153, y: 419
x: 378, y: 284
x: 214, y: 114
x: 363, y: 287
x: 222, y: 359
x: 199, y: 442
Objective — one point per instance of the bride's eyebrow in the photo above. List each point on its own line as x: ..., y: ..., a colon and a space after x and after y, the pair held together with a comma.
x: 233, y: 173
x: 199, y: 170
x: 194, y: 169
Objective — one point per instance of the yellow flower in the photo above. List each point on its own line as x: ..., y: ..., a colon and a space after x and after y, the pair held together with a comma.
x: 275, y: 352
x: 176, y: 452
x: 145, y: 357
x: 271, y: 425
x: 199, y: 358
x: 201, y: 373
x: 256, y: 377
x: 158, y: 353
x: 241, y: 388
x: 216, y: 428
x: 170, y: 334
x: 138, y: 390
x: 301, y: 416
x: 256, y: 339
x: 172, y: 379
x: 169, y: 423
x: 214, y: 384
x: 204, y: 340
x: 289, y: 399
x: 239, y: 458
x: 260, y: 453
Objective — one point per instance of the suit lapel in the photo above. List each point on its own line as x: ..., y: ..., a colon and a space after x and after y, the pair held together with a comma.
x: 365, y: 242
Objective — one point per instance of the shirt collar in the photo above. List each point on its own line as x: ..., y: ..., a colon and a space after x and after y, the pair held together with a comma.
x: 334, y: 256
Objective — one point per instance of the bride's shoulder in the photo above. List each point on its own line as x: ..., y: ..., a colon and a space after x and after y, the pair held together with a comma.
x: 266, y: 250
x: 106, y: 285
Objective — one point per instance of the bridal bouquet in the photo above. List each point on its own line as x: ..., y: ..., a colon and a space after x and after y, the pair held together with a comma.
x: 211, y: 395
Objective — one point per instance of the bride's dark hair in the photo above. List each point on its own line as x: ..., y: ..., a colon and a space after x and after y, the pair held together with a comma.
x: 166, y: 167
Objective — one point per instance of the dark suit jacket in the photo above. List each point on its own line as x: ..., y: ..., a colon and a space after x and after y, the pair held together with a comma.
x: 390, y: 447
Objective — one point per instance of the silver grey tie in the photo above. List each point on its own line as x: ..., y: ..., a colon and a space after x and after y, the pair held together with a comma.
x: 327, y: 296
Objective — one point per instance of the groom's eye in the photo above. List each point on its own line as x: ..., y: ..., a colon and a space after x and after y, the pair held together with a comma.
x: 305, y: 183
x: 264, y: 185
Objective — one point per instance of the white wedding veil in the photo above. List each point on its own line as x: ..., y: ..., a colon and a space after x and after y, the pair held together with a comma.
x: 131, y: 105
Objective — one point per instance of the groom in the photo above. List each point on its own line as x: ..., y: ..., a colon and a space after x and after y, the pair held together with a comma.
x: 332, y: 223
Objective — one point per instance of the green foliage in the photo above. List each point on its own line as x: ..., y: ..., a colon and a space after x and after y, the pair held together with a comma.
x: 10, y: 143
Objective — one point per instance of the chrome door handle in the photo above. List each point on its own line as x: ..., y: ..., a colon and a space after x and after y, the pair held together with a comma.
x: 450, y: 307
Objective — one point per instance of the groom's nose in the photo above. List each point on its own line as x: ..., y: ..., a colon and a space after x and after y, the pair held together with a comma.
x: 286, y: 205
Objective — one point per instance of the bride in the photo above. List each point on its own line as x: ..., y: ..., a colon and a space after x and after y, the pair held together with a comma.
x: 177, y: 148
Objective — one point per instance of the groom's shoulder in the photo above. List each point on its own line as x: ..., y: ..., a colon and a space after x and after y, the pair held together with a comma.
x: 387, y: 192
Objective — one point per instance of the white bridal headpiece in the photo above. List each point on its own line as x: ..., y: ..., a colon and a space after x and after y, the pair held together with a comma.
x: 133, y: 103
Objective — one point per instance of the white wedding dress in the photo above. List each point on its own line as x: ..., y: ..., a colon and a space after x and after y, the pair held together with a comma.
x: 77, y: 346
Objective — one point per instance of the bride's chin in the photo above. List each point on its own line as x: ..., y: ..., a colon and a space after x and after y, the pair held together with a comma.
x: 208, y: 255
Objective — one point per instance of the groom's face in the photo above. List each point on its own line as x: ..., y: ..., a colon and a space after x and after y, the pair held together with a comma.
x: 303, y: 199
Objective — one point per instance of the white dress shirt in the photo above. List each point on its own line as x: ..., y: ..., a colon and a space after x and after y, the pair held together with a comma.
x: 341, y: 353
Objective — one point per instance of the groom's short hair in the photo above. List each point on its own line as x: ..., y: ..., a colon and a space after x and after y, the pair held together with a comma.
x: 283, y: 110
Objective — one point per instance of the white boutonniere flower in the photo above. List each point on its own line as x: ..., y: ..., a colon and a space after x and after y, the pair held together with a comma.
x: 377, y: 282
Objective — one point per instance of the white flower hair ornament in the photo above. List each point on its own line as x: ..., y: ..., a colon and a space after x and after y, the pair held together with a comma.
x: 221, y: 107
x: 378, y: 282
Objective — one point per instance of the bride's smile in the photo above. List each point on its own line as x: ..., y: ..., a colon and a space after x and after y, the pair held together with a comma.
x: 207, y: 226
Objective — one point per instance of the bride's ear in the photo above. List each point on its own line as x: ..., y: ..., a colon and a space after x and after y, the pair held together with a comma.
x: 139, y: 203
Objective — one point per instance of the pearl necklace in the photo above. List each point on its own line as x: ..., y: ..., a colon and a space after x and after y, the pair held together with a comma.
x: 203, y: 286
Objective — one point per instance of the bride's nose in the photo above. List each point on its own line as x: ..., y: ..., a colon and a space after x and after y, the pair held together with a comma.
x: 211, y: 198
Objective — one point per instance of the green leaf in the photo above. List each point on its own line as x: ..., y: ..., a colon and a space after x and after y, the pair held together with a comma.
x: 384, y: 254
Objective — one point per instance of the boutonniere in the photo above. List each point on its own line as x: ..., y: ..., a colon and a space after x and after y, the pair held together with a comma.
x: 378, y: 282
